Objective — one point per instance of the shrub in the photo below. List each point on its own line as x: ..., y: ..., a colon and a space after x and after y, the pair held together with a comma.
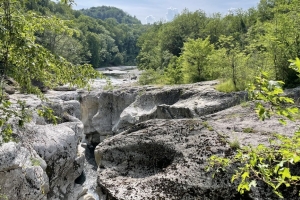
x: 226, y: 86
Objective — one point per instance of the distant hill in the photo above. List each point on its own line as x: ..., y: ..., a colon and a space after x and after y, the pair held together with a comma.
x: 104, y: 12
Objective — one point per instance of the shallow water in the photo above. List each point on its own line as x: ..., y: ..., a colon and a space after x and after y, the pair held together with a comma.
x: 117, y: 75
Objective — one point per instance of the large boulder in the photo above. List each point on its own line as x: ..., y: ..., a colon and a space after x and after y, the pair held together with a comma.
x: 161, y: 159
x: 58, y: 146
x: 101, y: 110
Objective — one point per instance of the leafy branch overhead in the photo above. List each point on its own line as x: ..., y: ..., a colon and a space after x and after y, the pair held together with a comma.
x: 25, y: 60
x: 266, y: 90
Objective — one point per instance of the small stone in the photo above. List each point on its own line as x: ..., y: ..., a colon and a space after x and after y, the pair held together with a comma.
x: 88, y: 197
x: 9, y: 89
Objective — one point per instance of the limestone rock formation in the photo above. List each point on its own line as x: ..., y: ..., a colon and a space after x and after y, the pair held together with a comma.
x: 166, y: 159
x: 58, y: 146
x: 23, y: 173
x: 102, y: 109
x: 106, y: 113
x: 162, y: 137
x: 46, y: 159
x: 161, y: 159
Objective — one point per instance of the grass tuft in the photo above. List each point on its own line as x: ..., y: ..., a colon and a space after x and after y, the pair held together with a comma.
x: 226, y: 86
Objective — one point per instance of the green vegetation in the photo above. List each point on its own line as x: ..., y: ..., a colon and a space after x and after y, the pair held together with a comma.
x: 245, y: 104
x: 233, y: 48
x: 2, y: 196
x: 104, y: 36
x: 48, y: 114
x: 108, y: 85
x: 24, y: 59
x: 8, y: 111
x: 235, y: 144
x: 194, y: 59
x: 274, y: 164
x: 35, y: 162
x: 106, y: 12
x: 248, y: 130
x: 206, y: 125
x: 226, y: 86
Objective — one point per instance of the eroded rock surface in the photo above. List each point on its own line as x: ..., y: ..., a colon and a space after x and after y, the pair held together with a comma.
x: 166, y: 159
x: 22, y: 173
x: 47, y: 159
x: 106, y: 113
x: 163, y: 137
x: 161, y: 159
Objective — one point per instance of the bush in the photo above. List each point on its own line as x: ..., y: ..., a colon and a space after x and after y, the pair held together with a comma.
x: 226, y: 86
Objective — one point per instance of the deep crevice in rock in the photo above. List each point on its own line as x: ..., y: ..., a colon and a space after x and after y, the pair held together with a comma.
x: 81, y: 179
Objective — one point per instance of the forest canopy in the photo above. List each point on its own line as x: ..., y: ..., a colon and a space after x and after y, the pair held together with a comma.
x: 107, y: 38
x: 233, y: 47
x: 105, y: 12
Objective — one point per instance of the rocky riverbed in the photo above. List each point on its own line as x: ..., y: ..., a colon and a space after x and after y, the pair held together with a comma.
x: 151, y: 142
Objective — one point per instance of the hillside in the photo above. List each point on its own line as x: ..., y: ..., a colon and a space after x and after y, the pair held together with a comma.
x: 105, y: 12
x: 108, y: 38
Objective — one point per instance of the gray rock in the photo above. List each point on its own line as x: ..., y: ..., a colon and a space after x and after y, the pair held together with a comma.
x: 22, y: 173
x: 9, y: 89
x: 65, y: 88
x: 101, y: 111
x: 59, y: 147
x: 48, y: 158
x: 166, y: 158
x: 108, y: 113
x: 162, y: 159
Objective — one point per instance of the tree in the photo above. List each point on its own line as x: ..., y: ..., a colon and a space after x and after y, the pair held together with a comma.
x: 24, y: 60
x: 68, y: 2
x: 282, y: 39
x: 104, y: 12
x: 94, y: 47
x: 173, y: 73
x: 195, y: 59
x: 231, y: 57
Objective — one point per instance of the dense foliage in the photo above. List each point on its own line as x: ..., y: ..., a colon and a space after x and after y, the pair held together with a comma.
x: 243, y: 42
x: 107, y: 42
x: 236, y: 48
x: 27, y: 62
x: 105, y: 12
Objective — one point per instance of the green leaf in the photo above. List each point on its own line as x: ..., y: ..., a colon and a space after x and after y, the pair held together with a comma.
x: 245, y: 175
x: 282, y: 121
x: 285, y: 172
x: 278, y: 194
x: 296, y: 158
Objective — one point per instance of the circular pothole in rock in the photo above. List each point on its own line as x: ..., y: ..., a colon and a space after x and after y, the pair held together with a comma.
x: 143, y: 159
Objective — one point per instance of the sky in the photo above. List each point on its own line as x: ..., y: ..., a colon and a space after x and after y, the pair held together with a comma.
x: 154, y: 10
